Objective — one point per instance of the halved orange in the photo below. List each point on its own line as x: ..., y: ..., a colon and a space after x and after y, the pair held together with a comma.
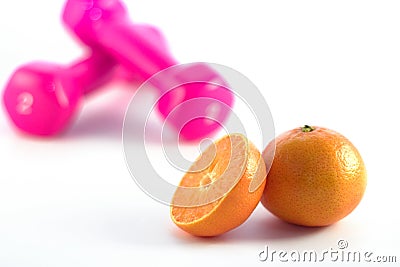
x: 221, y: 189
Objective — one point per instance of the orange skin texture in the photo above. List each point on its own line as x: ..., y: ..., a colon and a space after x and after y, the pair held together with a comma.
x: 316, y: 178
x: 234, y: 207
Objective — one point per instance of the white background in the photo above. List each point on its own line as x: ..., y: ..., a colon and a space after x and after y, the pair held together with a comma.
x: 70, y: 201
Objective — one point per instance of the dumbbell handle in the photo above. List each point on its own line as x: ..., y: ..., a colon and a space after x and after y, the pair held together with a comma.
x: 134, y: 49
x: 90, y: 73
x: 94, y: 71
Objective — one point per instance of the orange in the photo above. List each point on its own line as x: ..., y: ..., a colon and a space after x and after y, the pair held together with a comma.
x: 217, y: 197
x: 317, y: 177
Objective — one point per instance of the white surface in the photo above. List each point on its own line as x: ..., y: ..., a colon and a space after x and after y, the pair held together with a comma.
x: 70, y: 201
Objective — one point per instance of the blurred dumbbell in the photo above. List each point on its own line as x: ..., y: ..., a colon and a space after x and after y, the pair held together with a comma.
x: 105, y: 24
x: 41, y: 97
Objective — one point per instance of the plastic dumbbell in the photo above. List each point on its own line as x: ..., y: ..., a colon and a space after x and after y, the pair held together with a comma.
x: 105, y: 23
x: 41, y: 98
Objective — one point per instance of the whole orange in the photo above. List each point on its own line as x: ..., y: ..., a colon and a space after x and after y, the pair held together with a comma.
x: 317, y: 176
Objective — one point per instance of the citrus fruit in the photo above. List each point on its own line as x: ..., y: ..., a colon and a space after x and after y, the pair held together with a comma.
x: 217, y: 197
x: 317, y: 177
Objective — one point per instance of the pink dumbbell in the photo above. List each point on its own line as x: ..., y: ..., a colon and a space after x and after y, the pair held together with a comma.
x: 41, y: 97
x: 105, y: 23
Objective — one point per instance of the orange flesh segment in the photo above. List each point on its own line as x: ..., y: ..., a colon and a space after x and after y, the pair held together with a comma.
x: 223, y: 153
